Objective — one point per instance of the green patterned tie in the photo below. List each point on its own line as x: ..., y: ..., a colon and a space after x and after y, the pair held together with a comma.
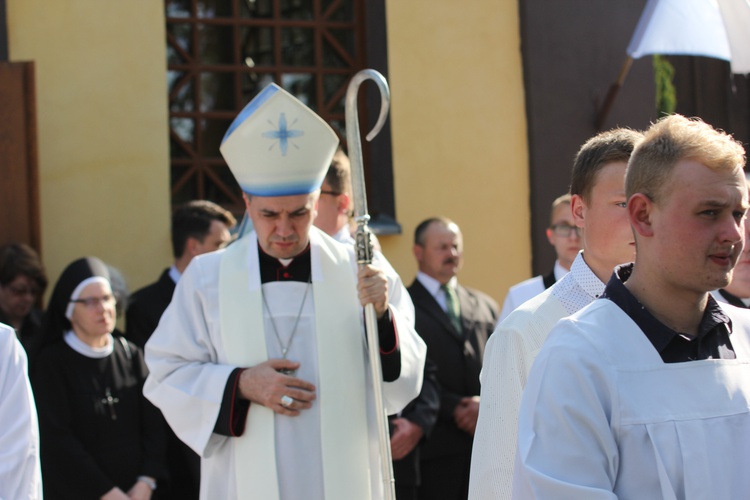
x: 452, y: 306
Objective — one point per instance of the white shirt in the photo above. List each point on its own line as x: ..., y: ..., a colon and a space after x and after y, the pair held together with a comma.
x: 526, y: 290
x: 174, y: 274
x: 603, y: 417
x: 508, y: 357
x: 435, y: 288
x: 20, y: 472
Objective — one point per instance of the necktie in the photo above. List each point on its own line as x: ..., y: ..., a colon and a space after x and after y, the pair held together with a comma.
x: 452, y: 307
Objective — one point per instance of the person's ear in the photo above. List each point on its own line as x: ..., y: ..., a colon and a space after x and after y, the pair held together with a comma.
x: 192, y: 246
x: 418, y: 251
x: 578, y: 208
x: 343, y: 206
x: 550, y: 236
x: 640, y: 213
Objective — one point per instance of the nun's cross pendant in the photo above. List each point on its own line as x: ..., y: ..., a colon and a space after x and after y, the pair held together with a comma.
x: 111, y: 402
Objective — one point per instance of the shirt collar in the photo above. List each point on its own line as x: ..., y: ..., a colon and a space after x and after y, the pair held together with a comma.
x: 83, y: 348
x: 432, y: 285
x: 271, y: 269
x: 586, y: 278
x: 659, y: 334
x: 174, y: 274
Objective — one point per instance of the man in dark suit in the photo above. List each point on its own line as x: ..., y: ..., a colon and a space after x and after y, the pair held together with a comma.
x: 198, y: 227
x: 454, y: 322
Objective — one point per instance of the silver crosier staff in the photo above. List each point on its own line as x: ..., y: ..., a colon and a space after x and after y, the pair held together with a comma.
x: 364, y: 250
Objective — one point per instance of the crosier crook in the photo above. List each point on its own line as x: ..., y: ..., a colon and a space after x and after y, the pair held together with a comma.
x: 364, y: 250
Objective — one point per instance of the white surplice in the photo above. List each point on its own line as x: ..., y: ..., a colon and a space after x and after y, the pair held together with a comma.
x: 508, y: 357
x: 396, y: 287
x: 603, y: 417
x: 527, y: 290
x: 20, y: 471
x: 190, y: 359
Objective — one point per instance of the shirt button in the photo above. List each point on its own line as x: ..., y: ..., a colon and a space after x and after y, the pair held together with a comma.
x: 286, y: 275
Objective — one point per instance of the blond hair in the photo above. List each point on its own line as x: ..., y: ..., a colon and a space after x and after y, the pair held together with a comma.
x: 672, y: 139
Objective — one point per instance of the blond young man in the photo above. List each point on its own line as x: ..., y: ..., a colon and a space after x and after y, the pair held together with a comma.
x: 646, y: 393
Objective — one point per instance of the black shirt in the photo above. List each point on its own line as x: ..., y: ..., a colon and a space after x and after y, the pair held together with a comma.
x: 711, y: 342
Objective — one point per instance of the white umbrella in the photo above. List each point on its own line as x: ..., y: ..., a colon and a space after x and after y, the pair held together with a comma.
x: 710, y: 28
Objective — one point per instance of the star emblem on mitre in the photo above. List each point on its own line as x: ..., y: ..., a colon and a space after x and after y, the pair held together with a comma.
x: 282, y: 133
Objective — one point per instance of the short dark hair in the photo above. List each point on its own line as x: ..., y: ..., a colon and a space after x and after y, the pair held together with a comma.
x: 20, y: 259
x: 193, y: 220
x: 560, y: 200
x: 596, y: 153
x: 422, y: 228
x: 339, y: 175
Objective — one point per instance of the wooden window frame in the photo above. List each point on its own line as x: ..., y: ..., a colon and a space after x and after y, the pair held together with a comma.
x: 368, y: 25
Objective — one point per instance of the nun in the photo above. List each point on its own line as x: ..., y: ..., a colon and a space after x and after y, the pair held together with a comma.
x: 100, y: 438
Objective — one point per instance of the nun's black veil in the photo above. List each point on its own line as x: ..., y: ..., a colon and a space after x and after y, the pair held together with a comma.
x: 55, y: 321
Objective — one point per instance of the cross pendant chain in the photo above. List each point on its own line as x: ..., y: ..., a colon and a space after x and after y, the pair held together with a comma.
x: 110, y: 401
x: 285, y: 348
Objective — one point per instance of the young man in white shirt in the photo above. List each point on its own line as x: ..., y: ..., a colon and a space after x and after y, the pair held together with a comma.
x: 646, y: 392
x: 598, y: 209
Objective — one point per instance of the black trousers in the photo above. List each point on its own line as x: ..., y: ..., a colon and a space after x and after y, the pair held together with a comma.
x: 445, y: 478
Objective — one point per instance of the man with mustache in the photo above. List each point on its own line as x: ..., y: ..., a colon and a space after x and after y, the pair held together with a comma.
x: 598, y: 211
x: 454, y: 322
x: 645, y: 393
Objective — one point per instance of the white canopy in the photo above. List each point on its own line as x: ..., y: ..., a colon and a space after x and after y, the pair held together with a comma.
x: 711, y: 28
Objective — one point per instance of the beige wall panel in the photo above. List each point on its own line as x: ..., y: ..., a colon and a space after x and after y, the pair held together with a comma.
x: 102, y: 121
x: 459, y: 134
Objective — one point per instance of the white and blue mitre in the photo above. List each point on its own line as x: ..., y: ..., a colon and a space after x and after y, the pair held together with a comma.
x: 277, y: 146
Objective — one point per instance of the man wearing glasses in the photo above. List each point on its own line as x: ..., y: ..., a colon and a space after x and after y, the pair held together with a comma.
x: 565, y: 237
x: 598, y: 207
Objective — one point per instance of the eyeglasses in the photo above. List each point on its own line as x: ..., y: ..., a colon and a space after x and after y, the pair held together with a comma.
x: 332, y: 193
x: 565, y: 230
x: 93, y: 302
x: 20, y: 291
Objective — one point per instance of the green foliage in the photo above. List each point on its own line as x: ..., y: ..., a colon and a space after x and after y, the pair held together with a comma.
x: 666, y: 96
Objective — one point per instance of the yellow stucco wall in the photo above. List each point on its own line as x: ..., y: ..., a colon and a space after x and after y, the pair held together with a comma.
x: 102, y: 130
x: 458, y: 124
x: 459, y: 134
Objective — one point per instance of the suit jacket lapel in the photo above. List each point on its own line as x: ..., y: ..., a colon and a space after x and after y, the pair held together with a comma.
x: 468, y: 307
x: 422, y: 298
x: 167, y: 285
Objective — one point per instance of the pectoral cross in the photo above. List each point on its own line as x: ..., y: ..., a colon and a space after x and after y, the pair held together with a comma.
x: 110, y: 401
